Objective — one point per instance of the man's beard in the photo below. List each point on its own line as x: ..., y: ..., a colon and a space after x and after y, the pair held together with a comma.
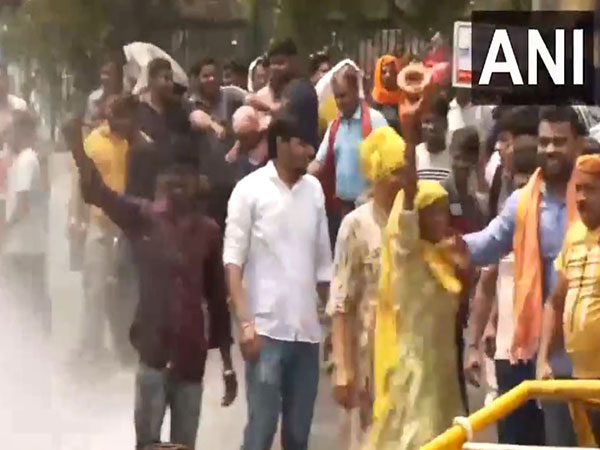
x: 560, y: 174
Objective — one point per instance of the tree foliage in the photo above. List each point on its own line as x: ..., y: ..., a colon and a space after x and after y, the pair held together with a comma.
x: 305, y: 19
x: 70, y: 34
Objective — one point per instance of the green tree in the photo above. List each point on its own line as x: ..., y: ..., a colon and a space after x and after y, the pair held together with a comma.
x: 57, y: 35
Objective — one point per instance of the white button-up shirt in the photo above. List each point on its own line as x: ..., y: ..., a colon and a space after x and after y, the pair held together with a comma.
x: 279, y: 236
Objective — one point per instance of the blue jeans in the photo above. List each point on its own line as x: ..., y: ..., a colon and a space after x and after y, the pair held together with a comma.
x: 154, y: 391
x: 558, y: 424
x: 284, y: 380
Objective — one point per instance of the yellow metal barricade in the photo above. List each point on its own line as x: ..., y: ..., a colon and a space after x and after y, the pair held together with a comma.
x: 568, y: 390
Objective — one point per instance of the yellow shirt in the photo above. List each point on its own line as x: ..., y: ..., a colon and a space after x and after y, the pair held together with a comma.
x: 109, y: 153
x: 579, y: 262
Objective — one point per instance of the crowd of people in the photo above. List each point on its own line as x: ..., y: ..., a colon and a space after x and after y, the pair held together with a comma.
x: 427, y: 241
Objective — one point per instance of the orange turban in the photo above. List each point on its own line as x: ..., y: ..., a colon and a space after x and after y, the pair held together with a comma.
x: 589, y: 164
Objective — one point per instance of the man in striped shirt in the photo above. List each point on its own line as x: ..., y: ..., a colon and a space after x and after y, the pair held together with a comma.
x: 433, y: 158
x: 576, y: 295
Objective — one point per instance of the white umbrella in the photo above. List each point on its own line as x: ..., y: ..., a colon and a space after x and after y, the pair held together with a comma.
x: 138, y: 56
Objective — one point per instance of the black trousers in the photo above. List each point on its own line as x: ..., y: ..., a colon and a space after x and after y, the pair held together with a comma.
x: 525, y: 426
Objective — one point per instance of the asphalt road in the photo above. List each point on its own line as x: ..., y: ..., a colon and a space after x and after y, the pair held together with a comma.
x: 53, y: 405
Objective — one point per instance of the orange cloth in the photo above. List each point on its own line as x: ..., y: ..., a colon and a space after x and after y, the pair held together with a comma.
x: 528, y: 266
x: 380, y: 94
x: 589, y: 164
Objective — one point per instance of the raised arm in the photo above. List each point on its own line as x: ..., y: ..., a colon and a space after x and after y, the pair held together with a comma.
x: 408, y: 218
x: 126, y: 212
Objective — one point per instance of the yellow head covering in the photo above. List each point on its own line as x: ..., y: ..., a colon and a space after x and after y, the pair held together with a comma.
x: 381, y: 153
x: 440, y: 262
x: 429, y: 192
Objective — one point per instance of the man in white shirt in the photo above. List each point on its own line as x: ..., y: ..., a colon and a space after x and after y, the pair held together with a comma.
x: 278, y: 261
x: 25, y: 230
x: 432, y: 155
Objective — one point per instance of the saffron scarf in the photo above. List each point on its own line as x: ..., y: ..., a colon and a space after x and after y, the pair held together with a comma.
x: 528, y: 309
x: 380, y: 94
x: 439, y: 260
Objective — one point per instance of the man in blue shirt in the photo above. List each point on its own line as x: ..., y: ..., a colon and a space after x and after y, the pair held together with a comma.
x: 560, y: 140
x: 350, y: 182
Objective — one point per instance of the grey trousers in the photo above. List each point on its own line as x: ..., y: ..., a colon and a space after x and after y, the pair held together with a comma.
x: 155, y: 390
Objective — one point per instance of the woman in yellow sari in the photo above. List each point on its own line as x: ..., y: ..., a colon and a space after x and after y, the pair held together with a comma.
x: 416, y: 373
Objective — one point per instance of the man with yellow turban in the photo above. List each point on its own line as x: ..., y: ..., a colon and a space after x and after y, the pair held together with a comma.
x: 354, y: 288
x: 576, y: 295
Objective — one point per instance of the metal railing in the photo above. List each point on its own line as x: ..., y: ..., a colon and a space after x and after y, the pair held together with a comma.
x: 567, y: 390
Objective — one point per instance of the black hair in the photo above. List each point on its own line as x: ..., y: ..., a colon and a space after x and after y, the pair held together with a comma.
x: 465, y: 141
x: 440, y: 106
x: 156, y: 66
x: 554, y: 114
x: 285, y: 47
x: 237, y: 67
x: 285, y: 126
x: 198, y: 66
x: 315, y: 61
x: 519, y: 120
x: 525, y: 154
x: 301, y: 101
x: 349, y: 74
x: 124, y: 105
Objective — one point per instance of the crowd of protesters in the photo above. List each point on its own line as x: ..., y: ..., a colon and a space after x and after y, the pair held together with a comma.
x: 428, y: 241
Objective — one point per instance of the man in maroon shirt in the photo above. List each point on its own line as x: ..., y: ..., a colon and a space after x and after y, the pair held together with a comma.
x: 182, y: 310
